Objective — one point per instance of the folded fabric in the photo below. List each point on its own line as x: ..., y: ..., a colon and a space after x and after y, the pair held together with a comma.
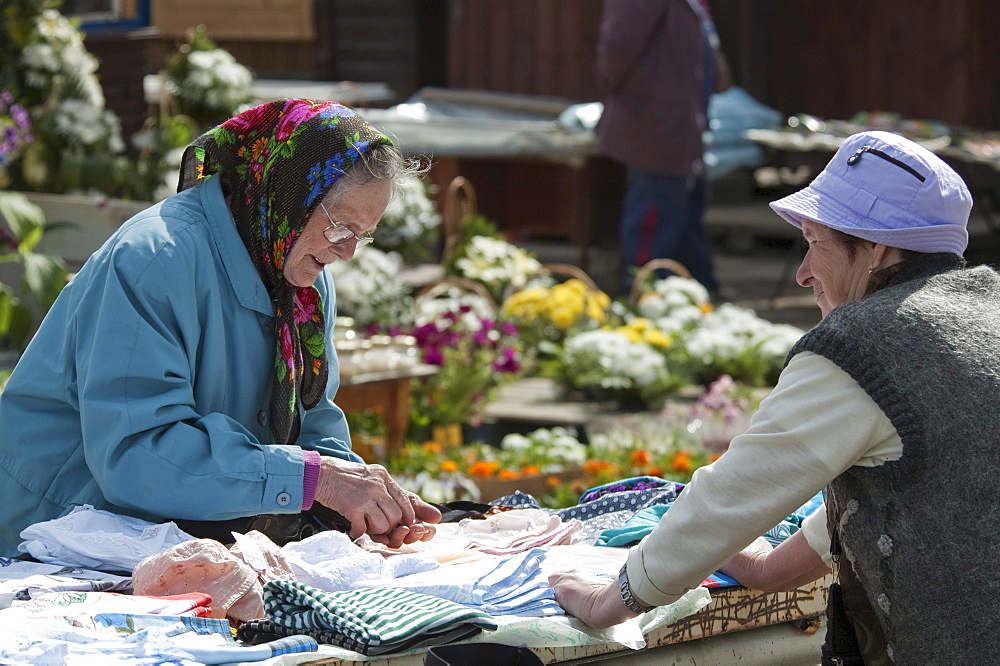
x: 207, y: 640
x: 622, y: 485
x: 34, y: 586
x: 628, y: 501
x: 367, y: 618
x: 513, y: 585
x: 66, y: 604
x: 95, y: 539
x: 257, y: 632
x: 11, y: 569
x: 518, y: 531
x: 331, y: 562
x: 638, y: 526
x: 644, y: 521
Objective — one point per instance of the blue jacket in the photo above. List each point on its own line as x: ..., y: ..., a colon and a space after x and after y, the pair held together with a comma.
x: 145, y: 390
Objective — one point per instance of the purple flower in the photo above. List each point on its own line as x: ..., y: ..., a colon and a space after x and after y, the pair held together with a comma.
x: 433, y: 357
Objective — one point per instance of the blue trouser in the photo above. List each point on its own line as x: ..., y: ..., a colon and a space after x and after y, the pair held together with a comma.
x: 661, y: 218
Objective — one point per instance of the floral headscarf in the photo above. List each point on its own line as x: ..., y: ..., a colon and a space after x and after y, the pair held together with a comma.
x: 279, y: 160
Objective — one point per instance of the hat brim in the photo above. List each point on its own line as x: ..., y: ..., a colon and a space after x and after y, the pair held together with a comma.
x: 812, y: 204
x: 808, y: 204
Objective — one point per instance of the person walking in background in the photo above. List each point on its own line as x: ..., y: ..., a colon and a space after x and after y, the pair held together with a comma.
x: 656, y: 66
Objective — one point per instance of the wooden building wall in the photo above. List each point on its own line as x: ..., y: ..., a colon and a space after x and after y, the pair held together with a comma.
x: 923, y: 58
x: 543, y: 47
x: 934, y: 59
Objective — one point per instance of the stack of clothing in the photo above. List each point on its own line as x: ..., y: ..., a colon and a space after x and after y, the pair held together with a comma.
x: 372, y: 621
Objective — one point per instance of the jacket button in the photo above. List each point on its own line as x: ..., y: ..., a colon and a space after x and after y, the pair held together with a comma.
x: 262, y: 418
x: 283, y: 499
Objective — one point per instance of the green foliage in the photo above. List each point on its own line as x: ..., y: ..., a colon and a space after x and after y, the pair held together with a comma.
x: 46, y: 67
x: 43, y: 275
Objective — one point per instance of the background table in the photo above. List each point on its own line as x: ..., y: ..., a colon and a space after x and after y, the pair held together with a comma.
x: 386, y: 392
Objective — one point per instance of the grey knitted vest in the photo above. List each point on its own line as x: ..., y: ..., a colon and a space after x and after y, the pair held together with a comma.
x: 922, y: 531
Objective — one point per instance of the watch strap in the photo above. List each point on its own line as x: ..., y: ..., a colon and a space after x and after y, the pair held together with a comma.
x: 631, y: 602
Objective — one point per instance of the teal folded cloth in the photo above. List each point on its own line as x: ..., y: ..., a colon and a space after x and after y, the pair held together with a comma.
x: 369, y: 617
x: 645, y: 520
x: 638, y: 526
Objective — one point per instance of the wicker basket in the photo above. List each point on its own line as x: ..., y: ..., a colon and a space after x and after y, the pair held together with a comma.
x: 646, y: 271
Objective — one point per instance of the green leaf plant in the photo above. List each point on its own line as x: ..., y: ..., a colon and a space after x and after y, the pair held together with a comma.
x: 42, y: 276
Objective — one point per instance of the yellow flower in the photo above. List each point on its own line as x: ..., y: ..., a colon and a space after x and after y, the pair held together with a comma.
x: 449, y: 466
x: 706, y: 307
x: 658, y: 338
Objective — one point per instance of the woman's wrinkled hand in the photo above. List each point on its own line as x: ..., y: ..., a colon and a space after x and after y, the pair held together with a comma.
x: 594, y: 601
x: 374, y: 503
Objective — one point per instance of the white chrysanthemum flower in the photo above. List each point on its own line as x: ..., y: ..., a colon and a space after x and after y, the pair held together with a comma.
x: 40, y: 57
x: 515, y: 442
x: 672, y: 293
x: 620, y: 363
x: 500, y: 265
x: 368, y: 287
x: 410, y: 214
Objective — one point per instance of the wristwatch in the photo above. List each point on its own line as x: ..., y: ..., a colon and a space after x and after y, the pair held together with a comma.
x: 631, y: 602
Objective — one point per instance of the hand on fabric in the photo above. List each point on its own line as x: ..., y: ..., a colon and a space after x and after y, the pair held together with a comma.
x: 596, y: 602
x: 374, y: 503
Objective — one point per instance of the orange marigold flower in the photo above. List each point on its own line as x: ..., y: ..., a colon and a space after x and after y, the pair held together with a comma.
x: 595, y: 466
x: 531, y: 470
x: 483, y: 468
x: 654, y: 471
x: 552, y: 481
x: 508, y: 474
x: 432, y: 447
x: 681, y: 462
x: 449, y: 466
x: 714, y: 457
x: 641, y: 457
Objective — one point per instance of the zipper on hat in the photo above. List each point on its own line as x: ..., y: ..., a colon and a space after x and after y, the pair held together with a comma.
x: 853, y: 159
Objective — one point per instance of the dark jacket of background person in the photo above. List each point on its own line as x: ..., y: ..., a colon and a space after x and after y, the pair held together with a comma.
x: 650, y: 67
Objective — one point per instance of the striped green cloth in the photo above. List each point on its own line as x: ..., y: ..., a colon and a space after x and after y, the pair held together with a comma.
x: 368, y: 617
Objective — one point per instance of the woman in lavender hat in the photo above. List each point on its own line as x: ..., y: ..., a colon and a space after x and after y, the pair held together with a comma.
x: 888, y: 405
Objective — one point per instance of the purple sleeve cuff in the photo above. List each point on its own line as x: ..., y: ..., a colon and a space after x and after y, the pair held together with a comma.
x: 310, y: 477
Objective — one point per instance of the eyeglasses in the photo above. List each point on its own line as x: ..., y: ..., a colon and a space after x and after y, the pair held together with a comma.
x: 337, y: 233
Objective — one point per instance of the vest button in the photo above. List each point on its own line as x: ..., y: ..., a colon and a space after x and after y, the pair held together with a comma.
x: 262, y: 418
x: 283, y: 499
x: 885, y: 545
x: 884, y: 603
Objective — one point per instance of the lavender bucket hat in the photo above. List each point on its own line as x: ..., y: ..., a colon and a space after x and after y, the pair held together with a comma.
x: 889, y: 190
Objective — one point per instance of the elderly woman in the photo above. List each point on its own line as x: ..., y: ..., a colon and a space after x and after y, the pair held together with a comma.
x: 185, y: 372
x: 888, y: 404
